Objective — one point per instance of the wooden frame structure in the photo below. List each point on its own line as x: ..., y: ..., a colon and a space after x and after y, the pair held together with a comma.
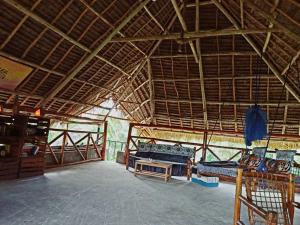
x: 82, y: 146
x: 83, y: 53
x: 280, y: 189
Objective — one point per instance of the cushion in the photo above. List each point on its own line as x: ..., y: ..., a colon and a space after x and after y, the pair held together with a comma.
x: 287, y: 155
x: 260, y: 152
x: 165, y: 149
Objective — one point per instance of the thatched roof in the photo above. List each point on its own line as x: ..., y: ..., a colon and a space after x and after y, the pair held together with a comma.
x: 160, y: 61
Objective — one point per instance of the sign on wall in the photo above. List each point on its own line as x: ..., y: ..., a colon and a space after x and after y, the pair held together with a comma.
x: 12, y: 73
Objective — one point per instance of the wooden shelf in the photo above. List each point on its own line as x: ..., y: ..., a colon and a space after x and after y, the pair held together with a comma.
x: 32, y: 130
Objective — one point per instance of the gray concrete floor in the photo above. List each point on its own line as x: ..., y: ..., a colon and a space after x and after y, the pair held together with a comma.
x: 104, y: 193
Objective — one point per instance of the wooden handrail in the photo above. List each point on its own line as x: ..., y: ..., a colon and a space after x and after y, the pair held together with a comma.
x: 254, y: 207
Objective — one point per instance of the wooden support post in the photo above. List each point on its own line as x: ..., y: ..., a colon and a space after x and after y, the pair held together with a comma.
x: 127, y: 150
x: 237, y: 201
x: 62, y: 154
x: 87, y: 145
x: 204, y: 146
x: 103, y: 150
x: 291, y: 197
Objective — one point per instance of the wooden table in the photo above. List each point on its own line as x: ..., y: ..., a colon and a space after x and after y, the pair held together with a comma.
x: 138, y: 169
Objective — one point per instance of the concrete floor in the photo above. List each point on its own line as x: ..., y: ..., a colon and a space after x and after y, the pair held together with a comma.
x: 104, y: 193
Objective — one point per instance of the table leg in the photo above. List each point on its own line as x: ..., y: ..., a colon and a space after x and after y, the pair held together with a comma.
x: 135, y: 168
x: 170, y: 172
x: 166, y: 175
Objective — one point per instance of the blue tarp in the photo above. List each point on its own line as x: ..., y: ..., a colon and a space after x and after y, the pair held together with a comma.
x: 255, y: 124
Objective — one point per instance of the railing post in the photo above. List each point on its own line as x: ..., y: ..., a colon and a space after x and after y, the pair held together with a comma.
x: 103, y: 150
x: 204, y: 146
x: 237, y: 201
x: 62, y: 155
x: 127, y: 150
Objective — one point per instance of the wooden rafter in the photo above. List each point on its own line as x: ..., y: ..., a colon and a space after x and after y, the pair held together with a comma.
x: 151, y: 89
x: 271, y: 19
x: 154, y: 19
x: 184, y: 27
x: 200, y: 66
x: 56, y: 30
x: 271, y: 25
x: 256, y: 48
x: 142, y: 64
x: 94, y: 52
x: 107, y: 22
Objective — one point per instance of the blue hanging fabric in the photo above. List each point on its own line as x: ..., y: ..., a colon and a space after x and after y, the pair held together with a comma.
x: 255, y: 124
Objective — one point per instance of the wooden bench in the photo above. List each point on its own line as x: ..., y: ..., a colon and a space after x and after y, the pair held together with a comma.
x: 140, y: 171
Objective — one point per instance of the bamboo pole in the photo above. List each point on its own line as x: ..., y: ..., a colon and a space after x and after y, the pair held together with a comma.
x: 93, y: 53
x: 36, y: 66
x: 200, y: 66
x: 295, y: 104
x: 190, y: 36
x: 27, y: 12
x: 184, y: 27
x: 151, y: 90
x: 257, y: 50
x: 271, y: 19
x: 107, y: 22
x: 141, y: 65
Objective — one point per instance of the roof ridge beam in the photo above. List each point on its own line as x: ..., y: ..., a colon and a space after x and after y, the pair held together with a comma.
x: 256, y: 48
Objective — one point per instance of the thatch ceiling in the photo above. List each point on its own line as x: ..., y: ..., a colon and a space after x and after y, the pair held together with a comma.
x: 143, y: 55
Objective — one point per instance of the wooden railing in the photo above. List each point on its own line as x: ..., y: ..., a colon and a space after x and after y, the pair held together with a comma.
x: 91, y: 146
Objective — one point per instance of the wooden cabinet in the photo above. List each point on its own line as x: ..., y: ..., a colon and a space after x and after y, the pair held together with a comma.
x: 23, y: 138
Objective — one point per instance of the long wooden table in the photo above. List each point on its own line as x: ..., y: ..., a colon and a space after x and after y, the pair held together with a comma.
x: 138, y: 169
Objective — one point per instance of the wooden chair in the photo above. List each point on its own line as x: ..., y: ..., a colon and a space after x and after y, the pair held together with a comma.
x: 269, y: 198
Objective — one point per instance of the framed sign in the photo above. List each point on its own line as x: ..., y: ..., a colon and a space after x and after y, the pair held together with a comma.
x: 12, y: 73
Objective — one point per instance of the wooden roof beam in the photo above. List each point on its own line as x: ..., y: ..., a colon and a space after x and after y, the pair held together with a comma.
x: 184, y: 27
x: 271, y: 19
x: 262, y: 76
x: 200, y: 65
x: 56, y: 30
x: 132, y: 14
x: 20, y: 93
x: 229, y: 53
x: 256, y: 48
x: 142, y: 64
x: 151, y: 90
x: 271, y: 25
x: 241, y: 103
x: 108, y: 23
x: 202, y: 3
x: 38, y: 67
x: 189, y: 36
x: 154, y: 19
